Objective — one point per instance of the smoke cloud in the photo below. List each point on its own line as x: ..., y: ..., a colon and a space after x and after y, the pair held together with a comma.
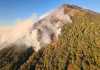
x: 35, y: 33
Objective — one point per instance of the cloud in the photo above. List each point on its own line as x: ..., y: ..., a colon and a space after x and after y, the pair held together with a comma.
x: 10, y: 34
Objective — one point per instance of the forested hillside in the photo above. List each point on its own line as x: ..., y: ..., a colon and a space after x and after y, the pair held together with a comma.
x: 78, y: 48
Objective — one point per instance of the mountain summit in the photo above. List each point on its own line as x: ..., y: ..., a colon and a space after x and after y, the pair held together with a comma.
x: 66, y: 38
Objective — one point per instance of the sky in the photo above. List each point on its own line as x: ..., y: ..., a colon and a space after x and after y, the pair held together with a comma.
x: 13, y: 10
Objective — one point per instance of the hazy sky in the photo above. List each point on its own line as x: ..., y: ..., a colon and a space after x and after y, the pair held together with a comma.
x: 12, y: 10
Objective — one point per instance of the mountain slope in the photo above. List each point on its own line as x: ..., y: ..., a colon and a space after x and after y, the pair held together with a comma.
x: 78, y: 46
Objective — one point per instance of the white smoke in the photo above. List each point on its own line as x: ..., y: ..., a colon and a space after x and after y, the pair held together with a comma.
x: 49, y: 28
x: 34, y: 33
